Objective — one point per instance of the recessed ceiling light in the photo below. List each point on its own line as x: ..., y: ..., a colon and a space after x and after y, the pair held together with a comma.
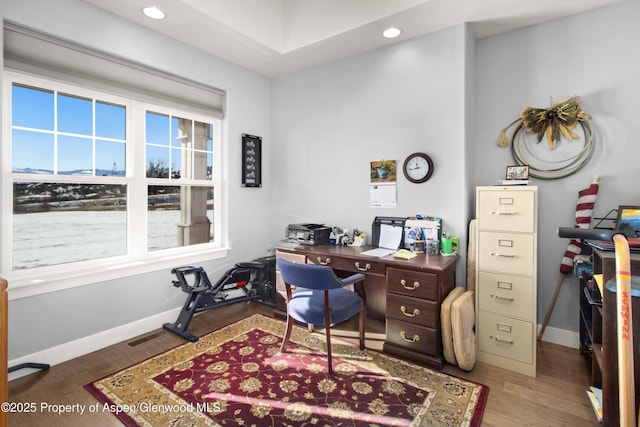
x: 153, y: 12
x: 392, y: 32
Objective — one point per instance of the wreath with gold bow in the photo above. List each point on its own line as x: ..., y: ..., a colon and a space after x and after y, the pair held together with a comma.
x: 559, y: 120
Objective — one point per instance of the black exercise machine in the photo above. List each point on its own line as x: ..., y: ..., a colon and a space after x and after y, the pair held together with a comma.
x: 246, y: 281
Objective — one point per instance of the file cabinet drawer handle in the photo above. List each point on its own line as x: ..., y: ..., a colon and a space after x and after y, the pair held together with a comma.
x: 416, y: 312
x: 415, y: 338
x: 502, y: 213
x: 365, y: 268
x: 498, y: 254
x: 327, y: 261
x: 502, y: 340
x: 496, y: 296
x: 416, y: 285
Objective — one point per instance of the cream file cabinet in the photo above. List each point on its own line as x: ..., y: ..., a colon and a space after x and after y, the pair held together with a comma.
x: 506, y: 268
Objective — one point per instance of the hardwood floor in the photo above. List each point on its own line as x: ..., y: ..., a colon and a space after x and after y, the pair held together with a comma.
x: 556, y: 397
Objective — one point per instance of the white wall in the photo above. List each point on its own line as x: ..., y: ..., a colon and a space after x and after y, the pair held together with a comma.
x: 330, y: 122
x: 53, y: 319
x: 594, y: 56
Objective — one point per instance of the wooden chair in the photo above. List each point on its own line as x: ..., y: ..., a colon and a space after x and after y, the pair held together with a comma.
x: 320, y: 299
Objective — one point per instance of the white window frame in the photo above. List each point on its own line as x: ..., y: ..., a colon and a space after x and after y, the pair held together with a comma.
x: 138, y: 260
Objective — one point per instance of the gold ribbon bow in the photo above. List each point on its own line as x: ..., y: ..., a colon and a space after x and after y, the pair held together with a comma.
x: 553, y: 122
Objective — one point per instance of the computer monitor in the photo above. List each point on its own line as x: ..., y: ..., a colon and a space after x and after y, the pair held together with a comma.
x: 628, y: 221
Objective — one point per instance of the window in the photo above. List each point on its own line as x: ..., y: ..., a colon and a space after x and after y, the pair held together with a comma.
x: 99, y: 181
x: 178, y: 148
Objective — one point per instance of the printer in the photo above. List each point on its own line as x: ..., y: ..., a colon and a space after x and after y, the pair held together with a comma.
x: 308, y: 234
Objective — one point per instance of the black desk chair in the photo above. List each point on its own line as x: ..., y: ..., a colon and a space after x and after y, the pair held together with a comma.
x: 322, y: 299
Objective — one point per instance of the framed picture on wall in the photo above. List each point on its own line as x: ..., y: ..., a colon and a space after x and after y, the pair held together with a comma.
x: 251, y: 161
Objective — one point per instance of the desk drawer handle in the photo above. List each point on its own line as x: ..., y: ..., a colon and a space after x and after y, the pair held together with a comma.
x: 497, y: 254
x: 365, y: 268
x: 415, y: 338
x: 416, y: 312
x: 496, y: 296
x: 416, y: 285
x: 502, y: 340
x: 325, y: 262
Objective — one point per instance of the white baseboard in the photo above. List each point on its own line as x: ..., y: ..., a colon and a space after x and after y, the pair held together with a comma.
x: 560, y: 336
x: 70, y: 350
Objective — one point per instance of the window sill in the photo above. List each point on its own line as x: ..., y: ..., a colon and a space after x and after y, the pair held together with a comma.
x: 24, y: 284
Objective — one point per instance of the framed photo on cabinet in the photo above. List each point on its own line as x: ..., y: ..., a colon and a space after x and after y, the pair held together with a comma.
x: 517, y: 172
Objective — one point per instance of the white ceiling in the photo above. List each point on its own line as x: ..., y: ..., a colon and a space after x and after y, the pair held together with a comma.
x: 277, y: 37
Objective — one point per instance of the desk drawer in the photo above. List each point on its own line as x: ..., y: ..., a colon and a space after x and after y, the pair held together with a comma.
x: 506, y: 337
x: 289, y: 256
x: 414, y: 310
x: 506, y: 252
x: 414, y: 337
x: 349, y: 264
x: 412, y: 283
x: 507, y: 295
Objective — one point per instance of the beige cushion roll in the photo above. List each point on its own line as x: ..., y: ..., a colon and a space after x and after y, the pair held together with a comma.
x: 445, y: 321
x: 471, y: 257
x: 463, y: 320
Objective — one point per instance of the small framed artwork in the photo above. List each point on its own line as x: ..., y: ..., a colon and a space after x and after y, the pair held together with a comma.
x: 628, y: 222
x: 518, y: 172
x: 251, y: 161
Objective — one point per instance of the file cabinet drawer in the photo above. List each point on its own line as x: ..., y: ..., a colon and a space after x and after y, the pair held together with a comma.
x: 506, y: 211
x: 506, y: 252
x: 412, y: 283
x: 414, y: 337
x: 506, y: 337
x: 414, y: 310
x: 507, y: 295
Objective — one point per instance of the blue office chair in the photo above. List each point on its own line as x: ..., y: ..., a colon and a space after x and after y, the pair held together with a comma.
x: 322, y: 301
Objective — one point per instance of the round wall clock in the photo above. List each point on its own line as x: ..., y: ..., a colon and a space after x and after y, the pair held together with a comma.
x: 418, y: 167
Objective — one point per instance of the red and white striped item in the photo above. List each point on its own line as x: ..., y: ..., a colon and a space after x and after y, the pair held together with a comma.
x: 584, y: 211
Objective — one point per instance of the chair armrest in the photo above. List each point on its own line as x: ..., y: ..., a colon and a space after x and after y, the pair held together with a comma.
x: 354, y: 278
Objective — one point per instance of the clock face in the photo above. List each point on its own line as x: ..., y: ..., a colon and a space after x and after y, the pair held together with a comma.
x: 418, y: 167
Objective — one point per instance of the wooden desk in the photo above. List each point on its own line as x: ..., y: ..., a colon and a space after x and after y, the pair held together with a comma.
x: 405, y: 294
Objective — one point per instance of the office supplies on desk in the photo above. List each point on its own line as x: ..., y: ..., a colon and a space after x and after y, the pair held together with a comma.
x: 405, y: 254
x: 389, y: 240
x: 378, y: 252
x: 390, y: 236
x: 337, y: 235
x: 379, y: 221
x: 420, y: 230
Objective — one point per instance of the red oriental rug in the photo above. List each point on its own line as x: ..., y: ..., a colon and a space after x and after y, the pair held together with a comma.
x: 236, y: 376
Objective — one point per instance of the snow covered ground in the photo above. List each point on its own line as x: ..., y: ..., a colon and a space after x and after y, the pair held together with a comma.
x: 49, y: 238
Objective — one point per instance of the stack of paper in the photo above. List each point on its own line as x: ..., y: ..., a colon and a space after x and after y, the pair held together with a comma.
x: 390, y: 238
